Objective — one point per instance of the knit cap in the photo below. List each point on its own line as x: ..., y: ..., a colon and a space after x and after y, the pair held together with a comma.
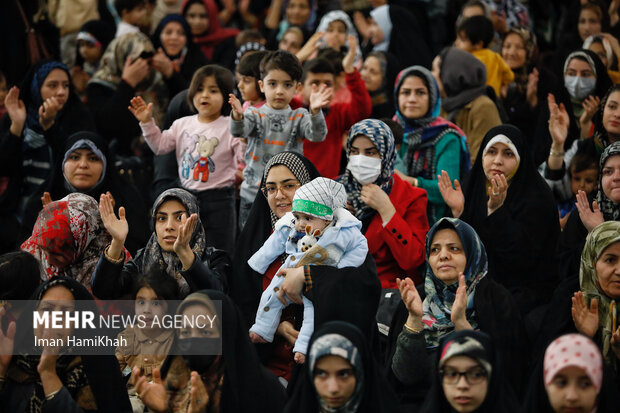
x: 320, y: 198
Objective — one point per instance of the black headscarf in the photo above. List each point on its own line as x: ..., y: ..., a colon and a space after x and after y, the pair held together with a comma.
x: 478, y: 346
x: 101, y: 30
x: 247, y: 385
x: 406, y: 40
x: 338, y: 338
x: 383, y: 98
x: 521, y: 236
x: 101, y: 373
x: 603, y: 81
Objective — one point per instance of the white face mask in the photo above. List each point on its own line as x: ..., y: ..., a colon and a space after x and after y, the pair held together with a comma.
x: 579, y: 87
x: 364, y: 169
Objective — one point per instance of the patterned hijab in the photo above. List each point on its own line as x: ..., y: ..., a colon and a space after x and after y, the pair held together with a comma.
x: 73, y: 229
x: 437, y: 305
x: 155, y: 256
x: 381, y: 136
x: 610, y: 209
x: 597, y: 241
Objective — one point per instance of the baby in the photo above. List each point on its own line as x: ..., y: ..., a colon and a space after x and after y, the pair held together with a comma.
x: 318, y: 231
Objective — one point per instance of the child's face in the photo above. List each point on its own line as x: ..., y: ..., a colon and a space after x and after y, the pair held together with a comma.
x: 586, y: 181
x: 90, y: 52
x: 278, y: 88
x: 208, y: 100
x: 572, y: 390
x: 149, y: 306
x: 197, y: 18
x: 319, y: 80
x: 302, y: 220
x: 137, y: 16
x: 291, y: 42
x: 173, y: 38
x: 336, y: 35
x: 247, y: 87
x: 463, y: 43
x: 56, y: 84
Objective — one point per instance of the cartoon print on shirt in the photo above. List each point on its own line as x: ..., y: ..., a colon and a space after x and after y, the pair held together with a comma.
x: 277, y: 122
x: 204, y: 165
x: 186, y: 164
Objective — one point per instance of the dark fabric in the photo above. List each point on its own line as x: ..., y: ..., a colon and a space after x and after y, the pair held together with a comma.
x: 217, y: 213
x: 100, y: 30
x: 464, y: 79
x: 522, y: 234
x: 406, y: 40
x: 377, y: 394
x: 571, y: 242
x: 383, y: 98
x: 247, y: 386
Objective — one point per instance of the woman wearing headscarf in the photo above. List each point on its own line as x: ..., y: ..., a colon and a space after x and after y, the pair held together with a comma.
x: 217, y: 43
x: 446, y: 302
x: 70, y: 382
x: 465, y: 101
x: 229, y: 379
x: 125, y: 72
x: 379, y: 72
x: 68, y: 238
x: 177, y: 247
x: 88, y: 167
x: 92, y: 40
x: 393, y: 213
x: 430, y: 143
x: 340, y: 375
x: 571, y: 376
x: 176, y: 57
x: 469, y: 377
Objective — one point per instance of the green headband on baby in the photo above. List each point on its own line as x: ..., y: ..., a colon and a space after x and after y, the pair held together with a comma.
x: 311, y: 207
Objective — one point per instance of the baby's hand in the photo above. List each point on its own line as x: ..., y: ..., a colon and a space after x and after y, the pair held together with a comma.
x: 300, y: 358
x: 237, y: 108
x: 255, y: 338
x: 142, y: 111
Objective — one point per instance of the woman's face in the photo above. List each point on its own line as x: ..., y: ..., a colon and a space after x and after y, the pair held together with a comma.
x: 572, y: 390
x: 57, y: 298
x: 197, y: 18
x: 362, y: 145
x: 83, y: 169
x: 611, y: 116
x: 413, y: 98
x: 168, y: 219
x: 56, y: 84
x: 372, y: 74
x: 336, y: 35
x: 280, y: 187
x: 463, y: 396
x: 298, y: 12
x: 608, y: 271
x: 200, y: 327
x: 499, y: 160
x: 291, y: 42
x: 588, y: 24
x: 173, y: 38
x: 149, y: 306
x: 447, y: 257
x: 578, y: 67
x: 90, y: 52
x: 513, y: 51
x: 597, y: 47
x: 334, y: 380
x: 610, y: 178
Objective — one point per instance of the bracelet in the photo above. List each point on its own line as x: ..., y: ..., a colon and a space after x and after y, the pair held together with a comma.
x: 411, y: 330
x: 113, y: 260
x: 556, y: 153
x: 52, y: 394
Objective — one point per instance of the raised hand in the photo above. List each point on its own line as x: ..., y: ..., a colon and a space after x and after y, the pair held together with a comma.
x: 458, y: 316
x: 237, y: 109
x: 7, y: 342
x: 300, y: 358
x: 558, y: 121
x: 46, y: 199
x: 16, y: 110
x: 198, y: 396
x: 48, y: 111
x: 163, y: 64
x: 311, y: 46
x: 497, y: 193
x: 590, y: 106
x: 135, y: 71
x: 142, y: 111
x: 181, y: 244
x: 453, y: 197
x: 118, y: 228
x: 362, y: 25
x: 154, y: 394
x: 349, y: 60
x: 586, y: 319
x: 413, y: 303
x: 591, y: 218
x: 376, y: 198
x: 320, y: 98
x: 531, y: 93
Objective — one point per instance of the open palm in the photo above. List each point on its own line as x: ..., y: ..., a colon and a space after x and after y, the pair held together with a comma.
x: 453, y: 197
x: 118, y: 228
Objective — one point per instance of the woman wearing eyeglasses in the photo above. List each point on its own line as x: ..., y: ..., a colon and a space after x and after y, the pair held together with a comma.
x: 468, y: 377
x: 458, y: 294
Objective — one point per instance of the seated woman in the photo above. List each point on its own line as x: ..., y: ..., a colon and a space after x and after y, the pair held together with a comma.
x: 341, y: 375
x: 35, y: 382
x: 231, y: 382
x: 511, y: 207
x: 177, y: 247
x: 68, y: 238
x: 431, y: 144
x: 458, y: 294
x: 393, y: 213
x: 88, y: 167
x: 469, y: 377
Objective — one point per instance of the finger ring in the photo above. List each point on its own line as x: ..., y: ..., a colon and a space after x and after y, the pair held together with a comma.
x: 495, y: 193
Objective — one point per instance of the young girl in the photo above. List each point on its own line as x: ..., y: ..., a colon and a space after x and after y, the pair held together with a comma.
x: 248, y: 75
x: 207, y: 154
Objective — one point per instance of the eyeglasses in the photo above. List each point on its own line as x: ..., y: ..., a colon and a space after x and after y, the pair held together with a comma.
x: 472, y: 376
x: 288, y: 188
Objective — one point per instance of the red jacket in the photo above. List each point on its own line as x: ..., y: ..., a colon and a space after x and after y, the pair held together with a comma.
x: 339, y: 119
x: 398, y: 248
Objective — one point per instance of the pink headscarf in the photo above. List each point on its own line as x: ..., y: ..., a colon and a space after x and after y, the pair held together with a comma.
x: 574, y: 350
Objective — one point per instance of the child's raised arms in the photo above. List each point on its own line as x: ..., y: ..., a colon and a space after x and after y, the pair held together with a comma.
x: 237, y: 109
x: 142, y: 111
x: 320, y: 98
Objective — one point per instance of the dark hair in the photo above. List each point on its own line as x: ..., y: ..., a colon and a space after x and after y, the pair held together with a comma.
x: 281, y: 60
x: 128, y: 5
x: 164, y: 286
x: 595, y: 8
x: 247, y: 36
x: 477, y: 29
x: 224, y: 79
x: 335, y: 57
x: 19, y: 275
x: 598, y: 116
x: 396, y: 128
x: 249, y: 65
x: 318, y: 65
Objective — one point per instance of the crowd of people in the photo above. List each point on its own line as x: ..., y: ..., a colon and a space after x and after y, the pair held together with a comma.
x: 393, y: 206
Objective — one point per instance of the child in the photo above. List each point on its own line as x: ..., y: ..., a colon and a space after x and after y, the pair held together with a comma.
x: 318, y: 231
x: 207, y: 155
x: 147, y: 347
x: 248, y: 75
x: 92, y: 40
x: 342, y: 115
x: 133, y: 14
x: 474, y: 35
x: 275, y: 127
